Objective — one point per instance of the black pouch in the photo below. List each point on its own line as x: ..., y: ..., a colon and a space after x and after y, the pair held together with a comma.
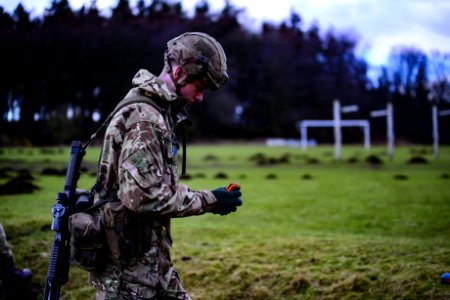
x: 87, y: 241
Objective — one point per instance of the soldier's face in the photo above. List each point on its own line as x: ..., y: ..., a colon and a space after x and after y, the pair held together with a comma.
x: 193, y: 91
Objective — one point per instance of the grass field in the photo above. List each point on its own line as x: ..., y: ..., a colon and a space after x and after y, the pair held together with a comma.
x: 310, y: 227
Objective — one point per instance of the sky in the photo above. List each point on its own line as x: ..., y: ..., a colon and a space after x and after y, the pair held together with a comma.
x: 378, y: 25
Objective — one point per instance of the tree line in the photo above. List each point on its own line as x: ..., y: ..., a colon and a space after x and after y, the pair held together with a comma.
x: 64, y: 71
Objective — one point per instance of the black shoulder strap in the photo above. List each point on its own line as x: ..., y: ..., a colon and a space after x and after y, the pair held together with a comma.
x: 97, y: 205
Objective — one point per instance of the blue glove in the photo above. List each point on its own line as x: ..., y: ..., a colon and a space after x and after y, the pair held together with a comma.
x: 227, y: 201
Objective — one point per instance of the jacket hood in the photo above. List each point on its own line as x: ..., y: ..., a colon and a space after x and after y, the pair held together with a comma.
x: 146, y: 84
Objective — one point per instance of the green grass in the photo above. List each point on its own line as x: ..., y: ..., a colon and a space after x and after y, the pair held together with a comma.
x: 351, y: 231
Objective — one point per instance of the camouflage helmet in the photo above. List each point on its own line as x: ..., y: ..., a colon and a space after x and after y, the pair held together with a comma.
x: 200, y: 55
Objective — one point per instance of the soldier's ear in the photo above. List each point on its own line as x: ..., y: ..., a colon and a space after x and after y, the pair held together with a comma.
x: 178, y: 73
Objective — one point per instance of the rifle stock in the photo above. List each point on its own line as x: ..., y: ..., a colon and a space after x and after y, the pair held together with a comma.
x: 58, y: 269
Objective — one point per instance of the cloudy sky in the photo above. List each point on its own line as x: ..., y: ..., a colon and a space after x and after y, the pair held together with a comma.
x: 379, y: 25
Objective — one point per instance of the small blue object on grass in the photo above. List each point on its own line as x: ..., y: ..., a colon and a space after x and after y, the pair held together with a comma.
x: 445, y: 278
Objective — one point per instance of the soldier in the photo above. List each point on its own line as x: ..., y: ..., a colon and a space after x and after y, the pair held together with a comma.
x: 138, y: 173
x: 14, y: 281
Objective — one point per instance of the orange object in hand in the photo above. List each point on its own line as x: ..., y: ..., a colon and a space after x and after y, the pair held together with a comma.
x: 233, y: 187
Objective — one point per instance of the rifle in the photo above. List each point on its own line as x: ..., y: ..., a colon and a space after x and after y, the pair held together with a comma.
x: 66, y: 205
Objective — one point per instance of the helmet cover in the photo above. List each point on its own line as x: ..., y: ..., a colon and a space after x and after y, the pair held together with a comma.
x: 200, y: 55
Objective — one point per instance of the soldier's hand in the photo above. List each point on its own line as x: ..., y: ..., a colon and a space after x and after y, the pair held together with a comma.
x: 227, y: 201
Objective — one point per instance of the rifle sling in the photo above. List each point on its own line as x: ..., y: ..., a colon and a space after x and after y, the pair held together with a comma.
x: 97, y: 205
x: 183, y: 141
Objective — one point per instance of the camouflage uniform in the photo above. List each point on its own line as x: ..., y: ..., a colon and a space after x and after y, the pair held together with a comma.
x: 5, y: 248
x: 139, y: 163
x: 14, y: 283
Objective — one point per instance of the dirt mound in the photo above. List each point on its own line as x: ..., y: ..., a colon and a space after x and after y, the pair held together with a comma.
x: 53, y: 171
x: 417, y: 160
x: 401, y: 177
x: 374, y: 160
x: 221, y: 175
x: 22, y: 183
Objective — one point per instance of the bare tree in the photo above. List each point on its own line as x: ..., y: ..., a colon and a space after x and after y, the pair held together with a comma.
x: 439, y: 82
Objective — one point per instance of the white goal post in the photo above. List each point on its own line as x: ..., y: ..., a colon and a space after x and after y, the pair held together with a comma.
x: 303, y: 127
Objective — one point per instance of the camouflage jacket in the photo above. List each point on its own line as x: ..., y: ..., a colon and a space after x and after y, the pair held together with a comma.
x: 139, y: 164
x: 5, y: 248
